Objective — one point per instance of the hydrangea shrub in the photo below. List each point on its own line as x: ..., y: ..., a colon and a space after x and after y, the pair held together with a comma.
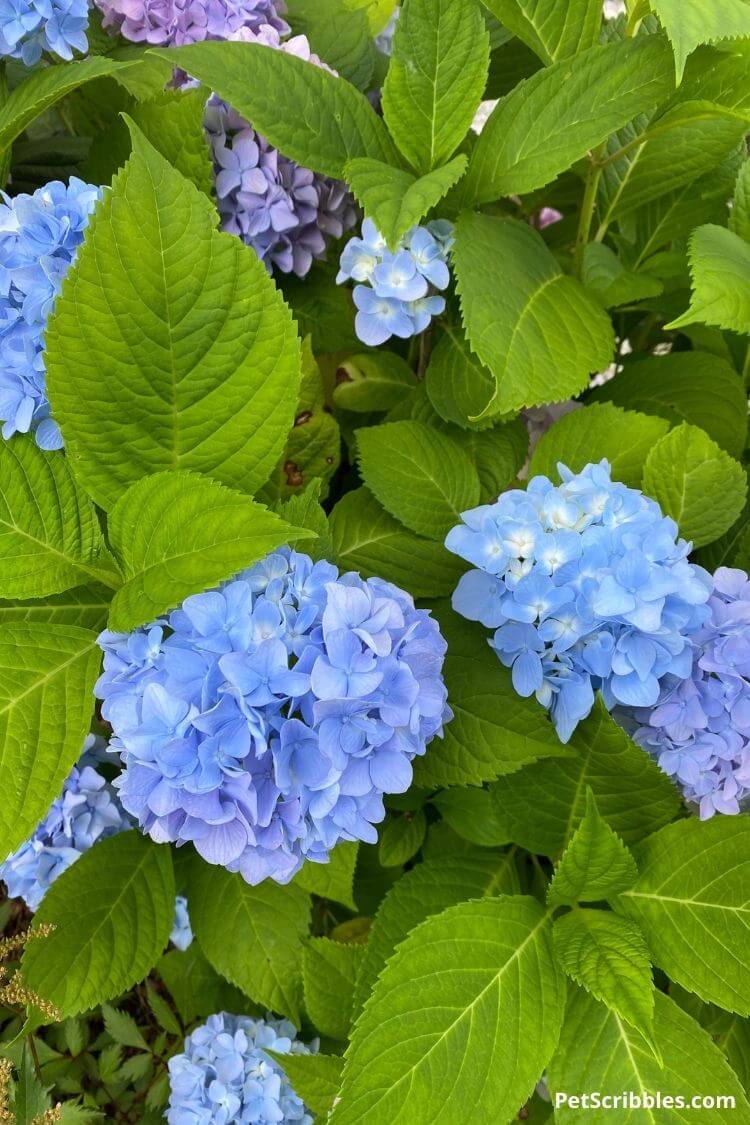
x: 374, y: 554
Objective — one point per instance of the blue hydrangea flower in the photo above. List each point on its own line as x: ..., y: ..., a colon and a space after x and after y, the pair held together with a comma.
x: 225, y: 1075
x: 28, y: 27
x: 699, y: 731
x: 263, y: 721
x: 395, y: 295
x: 182, y: 932
x: 86, y: 811
x: 39, y: 237
x: 586, y: 586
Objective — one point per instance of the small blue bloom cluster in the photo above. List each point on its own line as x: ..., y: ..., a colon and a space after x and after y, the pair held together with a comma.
x: 587, y: 587
x: 699, y: 732
x: 395, y: 295
x: 86, y: 811
x: 182, y: 932
x: 28, y: 27
x: 265, y: 720
x: 39, y: 237
x: 225, y: 1076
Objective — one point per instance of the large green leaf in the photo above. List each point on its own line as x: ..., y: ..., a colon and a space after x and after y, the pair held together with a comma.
x: 499, y: 455
x: 466, y: 1013
x: 172, y: 121
x: 370, y: 541
x: 333, y: 880
x: 47, y: 675
x: 555, y: 117
x: 494, y: 730
x: 553, y: 30
x: 310, y: 115
x: 329, y: 970
x: 720, y: 269
x: 604, y: 274
x: 253, y: 936
x: 85, y: 606
x: 691, y: 901
x: 696, y: 482
x: 169, y: 347
x: 739, y: 220
x: 421, y: 476
x: 543, y: 804
x: 50, y: 539
x: 674, y: 387
x: 536, y: 329
x: 111, y: 912
x: 458, y: 385
x: 425, y: 890
x: 373, y: 381
x: 314, y: 1078
x: 595, y: 865
x: 688, y: 26
x: 436, y: 78
x: 162, y: 564
x: 600, y: 1052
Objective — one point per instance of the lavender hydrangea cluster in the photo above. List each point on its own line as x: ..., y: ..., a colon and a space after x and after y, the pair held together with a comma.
x: 395, y: 294
x: 175, y: 23
x: 699, y: 731
x: 85, y: 812
x: 28, y: 27
x: 264, y: 721
x: 587, y: 587
x: 182, y: 932
x: 225, y: 1074
x: 39, y: 237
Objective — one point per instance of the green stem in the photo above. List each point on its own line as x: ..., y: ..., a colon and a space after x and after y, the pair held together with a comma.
x: 588, y: 207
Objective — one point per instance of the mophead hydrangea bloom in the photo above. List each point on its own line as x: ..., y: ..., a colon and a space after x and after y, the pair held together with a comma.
x: 182, y: 932
x: 395, y: 294
x: 699, y: 731
x: 85, y: 812
x: 263, y: 721
x: 225, y: 1075
x: 586, y: 586
x: 39, y: 237
x: 28, y: 27
x: 175, y: 23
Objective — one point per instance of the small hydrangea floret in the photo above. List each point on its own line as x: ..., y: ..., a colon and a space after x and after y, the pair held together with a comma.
x: 182, y: 932
x: 29, y: 27
x: 39, y: 237
x: 264, y: 721
x: 587, y: 588
x: 395, y: 294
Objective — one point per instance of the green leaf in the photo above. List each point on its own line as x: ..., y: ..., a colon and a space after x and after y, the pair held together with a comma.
x: 367, y: 539
x: 595, y: 865
x: 605, y: 275
x: 121, y: 1027
x: 688, y: 27
x: 86, y: 606
x: 396, y: 200
x: 373, y: 381
x: 267, y: 923
x: 172, y: 121
x: 162, y: 1012
x: 471, y: 813
x: 112, y: 912
x: 696, y: 482
x: 624, y: 437
x: 535, y: 328
x: 692, y: 904
x: 50, y: 538
x: 674, y: 387
x: 31, y: 1097
x: 553, y: 30
x: 47, y: 676
x: 494, y: 730
x: 315, y: 1078
x: 196, y: 988
x: 739, y: 220
x: 184, y: 328
x: 542, y: 805
x: 422, y: 477
x: 163, y: 566
x: 599, y: 1051
x: 458, y: 385
x: 558, y: 115
x: 401, y: 837
x: 499, y: 455
x: 337, y: 34
x: 329, y: 970
x: 333, y: 880
x: 607, y: 955
x: 303, y: 510
x: 436, y: 78
x: 313, y: 117
x: 732, y: 549
x: 37, y: 93
x: 720, y: 269
x: 435, y: 1035
x: 425, y: 890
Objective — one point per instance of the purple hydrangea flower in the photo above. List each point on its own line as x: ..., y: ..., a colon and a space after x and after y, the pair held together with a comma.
x: 182, y: 932
x: 39, y: 237
x: 264, y: 721
x: 586, y: 586
x: 699, y: 731
x: 86, y: 811
x: 168, y: 23
x: 28, y: 27
x: 225, y: 1075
